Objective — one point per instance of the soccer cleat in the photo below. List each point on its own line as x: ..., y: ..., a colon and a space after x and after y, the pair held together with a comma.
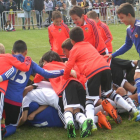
x: 133, y: 114
x: 103, y: 121
x: 112, y: 111
x: 86, y: 128
x: 138, y: 118
x: 71, y: 130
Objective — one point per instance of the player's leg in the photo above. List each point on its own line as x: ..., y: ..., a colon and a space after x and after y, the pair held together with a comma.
x: 11, y: 119
x: 1, y: 111
x: 92, y: 96
x: 117, y: 98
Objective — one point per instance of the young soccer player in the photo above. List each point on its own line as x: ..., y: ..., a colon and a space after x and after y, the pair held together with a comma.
x: 103, y: 28
x: 58, y: 32
x: 16, y: 85
x: 90, y: 29
x: 71, y: 94
x: 97, y: 72
x: 7, y: 61
x: 126, y: 13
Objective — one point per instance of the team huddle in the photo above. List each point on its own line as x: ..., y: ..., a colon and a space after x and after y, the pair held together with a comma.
x: 78, y: 83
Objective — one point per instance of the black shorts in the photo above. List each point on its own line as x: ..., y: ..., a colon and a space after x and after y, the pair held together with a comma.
x: 120, y: 68
x: 12, y: 113
x: 73, y: 96
x: 93, y: 84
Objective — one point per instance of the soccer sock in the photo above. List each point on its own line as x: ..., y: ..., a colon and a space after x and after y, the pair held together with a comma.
x: 97, y: 109
x: 120, y: 101
x: 138, y: 88
x: 89, y: 109
x: 68, y: 116
x: 95, y: 119
x: 112, y: 102
x: 10, y: 129
x: 80, y: 117
x: 129, y: 101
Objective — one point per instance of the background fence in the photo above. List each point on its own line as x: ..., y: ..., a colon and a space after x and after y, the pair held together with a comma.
x: 18, y: 18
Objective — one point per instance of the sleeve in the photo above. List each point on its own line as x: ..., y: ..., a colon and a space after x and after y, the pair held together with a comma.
x: 108, y: 34
x: 8, y: 74
x: 69, y: 65
x: 95, y: 34
x: 25, y: 66
x: 50, y: 38
x: 45, y: 73
x: 67, y: 30
x: 23, y: 6
x: 128, y: 45
x: 38, y: 78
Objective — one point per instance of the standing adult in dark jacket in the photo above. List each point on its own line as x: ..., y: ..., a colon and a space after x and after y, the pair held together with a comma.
x: 118, y: 2
x: 11, y: 7
x: 38, y: 6
x: 2, y: 15
x: 18, y: 4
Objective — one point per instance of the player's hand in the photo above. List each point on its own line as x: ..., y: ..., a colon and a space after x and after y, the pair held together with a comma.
x: 108, y: 56
x: 73, y: 73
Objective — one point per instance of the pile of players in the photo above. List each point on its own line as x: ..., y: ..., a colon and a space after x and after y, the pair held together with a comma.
x: 80, y: 92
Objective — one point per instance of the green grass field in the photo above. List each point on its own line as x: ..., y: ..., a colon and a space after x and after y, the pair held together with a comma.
x: 38, y: 44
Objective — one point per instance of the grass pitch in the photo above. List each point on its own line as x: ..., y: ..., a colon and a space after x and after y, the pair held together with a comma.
x: 38, y: 43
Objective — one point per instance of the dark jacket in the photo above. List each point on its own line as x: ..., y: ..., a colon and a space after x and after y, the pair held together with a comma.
x: 38, y: 5
x: 11, y: 6
x: 2, y: 7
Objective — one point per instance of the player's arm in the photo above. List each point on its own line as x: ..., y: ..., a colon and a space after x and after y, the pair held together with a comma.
x: 40, y: 109
x: 8, y: 74
x: 108, y: 34
x: 95, y: 30
x: 25, y: 66
x: 66, y: 29
x: 45, y: 73
x: 50, y: 38
x: 128, y: 44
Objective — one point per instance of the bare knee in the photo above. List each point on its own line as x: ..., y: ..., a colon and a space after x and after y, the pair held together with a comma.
x: 121, y: 91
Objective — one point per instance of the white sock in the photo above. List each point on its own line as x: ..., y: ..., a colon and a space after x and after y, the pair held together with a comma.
x: 68, y: 116
x: 97, y: 109
x: 89, y: 111
x: 112, y: 102
x: 95, y: 119
x: 129, y: 100
x: 120, y: 101
x: 80, y: 117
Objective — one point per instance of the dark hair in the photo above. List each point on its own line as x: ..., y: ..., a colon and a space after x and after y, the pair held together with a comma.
x: 125, y: 9
x: 8, y: 21
x: 56, y: 14
x: 67, y: 44
x: 19, y: 46
x: 76, y: 10
x: 92, y: 14
x: 76, y: 34
x: 51, y: 56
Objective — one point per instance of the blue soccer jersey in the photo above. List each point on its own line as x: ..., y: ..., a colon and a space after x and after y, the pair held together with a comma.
x: 133, y: 36
x: 47, y: 118
x: 16, y: 85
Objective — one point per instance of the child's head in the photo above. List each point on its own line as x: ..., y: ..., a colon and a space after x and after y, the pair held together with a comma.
x: 126, y: 12
x: 93, y: 15
x: 19, y: 47
x: 96, y: 1
x: 76, y: 35
x: 77, y: 15
x: 56, y: 18
x: 67, y: 46
x: 51, y: 56
x: 2, y: 49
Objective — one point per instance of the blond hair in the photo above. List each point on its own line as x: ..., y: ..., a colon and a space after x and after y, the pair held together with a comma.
x: 2, y: 48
